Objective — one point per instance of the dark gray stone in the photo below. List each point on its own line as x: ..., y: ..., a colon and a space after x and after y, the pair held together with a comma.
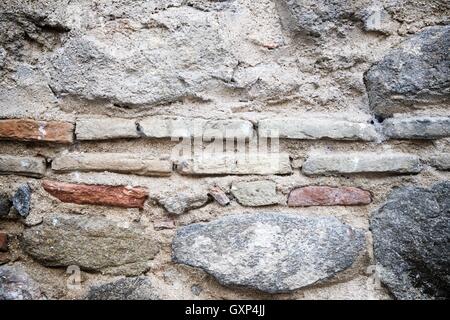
x: 271, y: 252
x: 411, y: 234
x: 415, y: 73
x: 318, y: 16
x: 134, y: 288
x: 21, y: 200
x: 16, y: 284
x: 5, y: 204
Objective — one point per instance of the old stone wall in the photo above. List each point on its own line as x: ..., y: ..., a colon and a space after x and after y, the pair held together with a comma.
x: 220, y: 149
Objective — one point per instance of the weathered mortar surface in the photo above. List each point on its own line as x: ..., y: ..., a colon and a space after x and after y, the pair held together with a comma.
x: 258, y: 61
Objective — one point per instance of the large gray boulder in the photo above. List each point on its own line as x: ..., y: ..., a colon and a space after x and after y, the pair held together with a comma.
x: 16, y: 284
x: 411, y: 234
x: 415, y: 73
x: 271, y: 252
x: 91, y: 242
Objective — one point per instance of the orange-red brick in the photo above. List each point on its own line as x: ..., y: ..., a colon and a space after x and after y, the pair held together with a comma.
x: 116, y: 196
x: 32, y: 130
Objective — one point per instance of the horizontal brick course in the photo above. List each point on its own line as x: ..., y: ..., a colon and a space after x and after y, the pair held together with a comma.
x: 24, y: 166
x: 316, y: 128
x: 115, y: 196
x: 328, y: 196
x: 163, y: 127
x: 107, y: 128
x: 417, y: 127
x: 113, y: 162
x: 32, y: 130
x: 360, y: 162
x: 236, y: 164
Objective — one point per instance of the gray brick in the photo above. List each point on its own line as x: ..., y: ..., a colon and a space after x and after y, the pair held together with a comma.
x: 25, y: 166
x: 103, y: 129
x: 417, y: 127
x: 316, y: 128
x: 360, y: 162
x: 236, y: 164
x: 113, y: 162
x: 164, y: 127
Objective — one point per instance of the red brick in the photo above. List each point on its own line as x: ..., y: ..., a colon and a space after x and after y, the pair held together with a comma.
x: 219, y: 196
x: 3, y: 242
x: 115, y: 196
x: 31, y: 130
x: 328, y: 196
